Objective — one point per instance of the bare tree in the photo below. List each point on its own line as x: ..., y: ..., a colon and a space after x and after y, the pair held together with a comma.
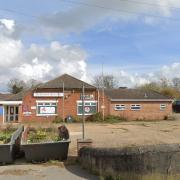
x: 176, y: 83
x: 16, y: 85
x: 153, y: 86
x: 109, y: 81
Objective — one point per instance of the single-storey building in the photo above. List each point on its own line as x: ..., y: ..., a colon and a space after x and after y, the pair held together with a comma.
x: 135, y: 104
x: 62, y: 97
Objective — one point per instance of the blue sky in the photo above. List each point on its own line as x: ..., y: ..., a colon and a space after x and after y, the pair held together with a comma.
x: 133, y: 47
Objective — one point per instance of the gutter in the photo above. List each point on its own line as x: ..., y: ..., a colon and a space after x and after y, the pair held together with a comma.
x: 145, y: 100
x: 10, y: 102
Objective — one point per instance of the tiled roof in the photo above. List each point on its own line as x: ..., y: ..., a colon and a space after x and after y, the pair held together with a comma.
x: 3, y: 96
x: 134, y: 94
x: 17, y: 97
x: 69, y: 83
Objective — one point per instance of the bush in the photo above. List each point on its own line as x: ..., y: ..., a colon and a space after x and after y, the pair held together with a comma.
x: 77, y: 119
x: 41, y: 135
x: 98, y: 117
x: 5, y: 138
x: 57, y: 120
x: 37, y: 137
x: 5, y: 134
x: 113, y: 118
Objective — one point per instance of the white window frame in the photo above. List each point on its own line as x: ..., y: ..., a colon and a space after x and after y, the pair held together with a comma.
x: 119, y: 107
x: 163, y: 107
x: 136, y: 105
x: 43, y: 103
x: 85, y: 101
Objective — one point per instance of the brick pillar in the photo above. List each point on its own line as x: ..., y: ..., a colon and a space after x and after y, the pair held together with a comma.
x: 83, y: 143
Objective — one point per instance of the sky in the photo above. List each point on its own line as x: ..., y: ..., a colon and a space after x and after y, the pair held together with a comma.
x: 136, y: 40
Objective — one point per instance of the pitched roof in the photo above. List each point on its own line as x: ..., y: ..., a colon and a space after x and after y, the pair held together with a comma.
x: 134, y: 94
x: 17, y: 97
x: 3, y: 96
x: 70, y: 82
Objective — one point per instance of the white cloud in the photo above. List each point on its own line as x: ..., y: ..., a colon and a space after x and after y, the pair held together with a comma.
x: 84, y: 15
x: 167, y: 71
x: 34, y: 70
x: 8, y: 23
x: 41, y: 62
x: 133, y: 75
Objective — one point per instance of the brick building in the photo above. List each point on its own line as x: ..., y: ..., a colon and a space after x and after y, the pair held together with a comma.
x: 134, y: 104
x: 62, y: 97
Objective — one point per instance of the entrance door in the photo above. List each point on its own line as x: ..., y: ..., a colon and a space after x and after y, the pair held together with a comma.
x: 11, y: 113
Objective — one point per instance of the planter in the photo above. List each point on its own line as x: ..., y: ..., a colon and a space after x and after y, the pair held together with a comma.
x: 38, y: 152
x: 8, y: 151
x: 44, y: 144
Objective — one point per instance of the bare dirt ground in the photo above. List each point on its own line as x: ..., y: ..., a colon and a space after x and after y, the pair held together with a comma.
x: 125, y: 133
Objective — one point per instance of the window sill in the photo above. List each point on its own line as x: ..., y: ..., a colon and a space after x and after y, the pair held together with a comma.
x: 46, y: 114
x: 85, y: 114
x: 135, y: 109
x: 119, y: 109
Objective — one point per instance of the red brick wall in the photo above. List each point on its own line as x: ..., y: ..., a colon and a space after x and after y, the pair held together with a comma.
x: 1, y: 119
x: 70, y: 104
x: 106, y: 104
x: 149, y: 110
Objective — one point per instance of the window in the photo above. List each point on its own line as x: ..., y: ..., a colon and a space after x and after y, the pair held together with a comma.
x: 90, y: 107
x: 46, y: 108
x: 119, y: 107
x: 135, y: 107
x: 162, y: 107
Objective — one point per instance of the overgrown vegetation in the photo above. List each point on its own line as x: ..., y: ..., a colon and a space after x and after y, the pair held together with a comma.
x: 98, y: 117
x: 6, y: 133
x: 43, y: 135
x: 57, y: 120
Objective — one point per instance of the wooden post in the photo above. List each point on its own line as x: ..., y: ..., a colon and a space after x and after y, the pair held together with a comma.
x: 63, y: 105
x: 83, y: 115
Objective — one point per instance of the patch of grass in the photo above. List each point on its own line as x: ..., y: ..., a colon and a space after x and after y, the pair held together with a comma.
x: 98, y: 117
x: 114, y: 119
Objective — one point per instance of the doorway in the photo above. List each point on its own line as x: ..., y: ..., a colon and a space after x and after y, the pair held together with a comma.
x: 11, y: 113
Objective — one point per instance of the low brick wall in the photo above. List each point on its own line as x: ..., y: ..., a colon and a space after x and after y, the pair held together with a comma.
x: 164, y: 159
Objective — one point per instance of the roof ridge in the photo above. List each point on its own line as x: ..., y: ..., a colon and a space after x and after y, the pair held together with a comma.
x: 78, y: 79
x: 68, y: 77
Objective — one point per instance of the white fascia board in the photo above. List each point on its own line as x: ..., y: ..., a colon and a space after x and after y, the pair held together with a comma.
x: 145, y: 100
x: 10, y: 102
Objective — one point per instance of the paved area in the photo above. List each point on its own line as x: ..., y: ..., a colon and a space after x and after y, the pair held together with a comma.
x: 44, y: 172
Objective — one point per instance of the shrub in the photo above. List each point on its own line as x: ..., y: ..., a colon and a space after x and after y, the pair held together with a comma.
x: 5, y: 138
x: 5, y: 134
x: 37, y: 137
x: 113, y: 118
x: 57, y: 120
x: 77, y: 119
x: 98, y: 117
x: 41, y: 135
